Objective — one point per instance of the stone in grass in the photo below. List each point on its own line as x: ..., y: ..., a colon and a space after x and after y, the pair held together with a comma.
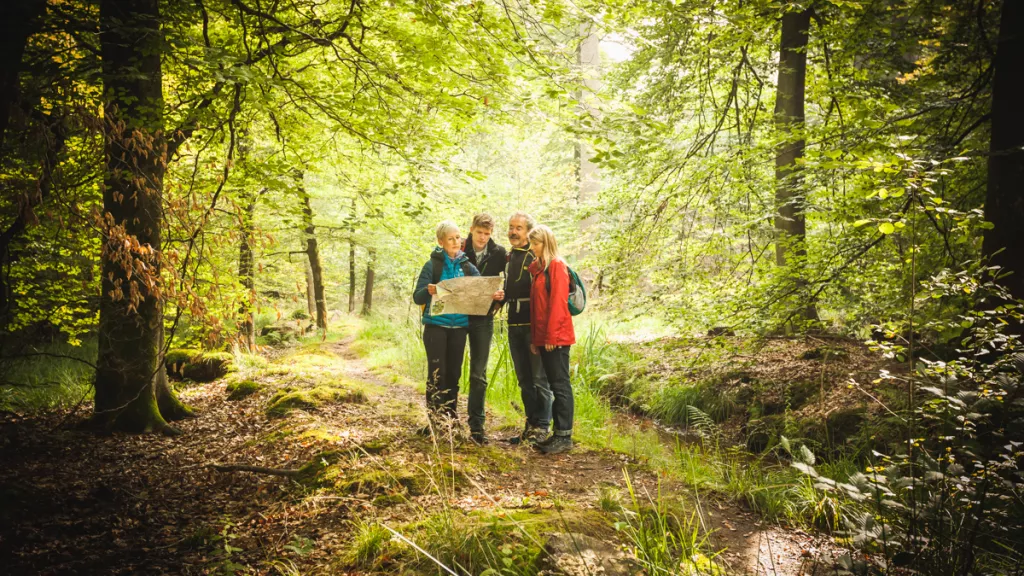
x: 196, y: 365
x: 209, y: 366
x: 176, y: 360
x: 577, y: 554
x: 243, y: 389
x: 308, y: 399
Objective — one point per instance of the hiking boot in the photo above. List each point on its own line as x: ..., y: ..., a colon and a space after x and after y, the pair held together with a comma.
x: 556, y: 445
x: 478, y: 438
x: 537, y: 436
x: 519, y: 438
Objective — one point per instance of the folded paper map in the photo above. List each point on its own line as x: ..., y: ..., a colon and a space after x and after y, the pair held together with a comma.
x: 467, y: 295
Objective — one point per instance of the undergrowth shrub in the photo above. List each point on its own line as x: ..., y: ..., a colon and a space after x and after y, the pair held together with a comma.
x: 949, y: 499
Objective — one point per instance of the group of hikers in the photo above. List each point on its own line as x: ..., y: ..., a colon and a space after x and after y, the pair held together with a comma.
x: 540, y: 331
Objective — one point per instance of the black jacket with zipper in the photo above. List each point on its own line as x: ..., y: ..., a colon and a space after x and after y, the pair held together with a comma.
x: 518, y: 282
x: 492, y: 265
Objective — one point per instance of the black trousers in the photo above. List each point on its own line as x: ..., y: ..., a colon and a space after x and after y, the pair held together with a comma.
x: 556, y: 366
x: 445, y: 348
x: 481, y: 332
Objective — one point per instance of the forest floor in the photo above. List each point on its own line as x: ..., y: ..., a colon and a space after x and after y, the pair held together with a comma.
x: 342, y: 485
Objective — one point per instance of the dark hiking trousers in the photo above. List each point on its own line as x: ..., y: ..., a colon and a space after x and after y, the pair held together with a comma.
x: 445, y: 348
x: 481, y: 331
x: 533, y: 383
x: 556, y: 366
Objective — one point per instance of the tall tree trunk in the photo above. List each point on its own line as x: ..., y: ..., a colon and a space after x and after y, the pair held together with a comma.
x: 790, y: 225
x: 352, y: 260
x: 313, y: 254
x: 310, y: 291
x: 129, y: 366
x: 588, y: 58
x: 1004, y: 200
x: 368, y: 287
x: 247, y: 274
x: 19, y: 19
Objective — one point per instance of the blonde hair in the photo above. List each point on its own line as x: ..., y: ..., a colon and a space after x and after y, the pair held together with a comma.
x: 545, y: 236
x: 444, y: 228
x: 483, y: 220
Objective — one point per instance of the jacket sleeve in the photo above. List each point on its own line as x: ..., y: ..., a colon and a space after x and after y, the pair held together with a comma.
x: 557, y: 307
x: 420, y: 295
x: 472, y: 270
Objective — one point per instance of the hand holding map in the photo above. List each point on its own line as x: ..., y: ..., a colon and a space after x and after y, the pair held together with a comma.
x: 467, y: 295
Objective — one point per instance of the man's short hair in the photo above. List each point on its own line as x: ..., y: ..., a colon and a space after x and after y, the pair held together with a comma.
x: 483, y: 220
x: 445, y: 227
x: 526, y: 218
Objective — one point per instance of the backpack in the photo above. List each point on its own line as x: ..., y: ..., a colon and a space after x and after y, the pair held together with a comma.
x: 577, y: 291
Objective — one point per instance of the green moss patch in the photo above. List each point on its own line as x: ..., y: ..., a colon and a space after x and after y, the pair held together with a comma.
x: 309, y: 399
x: 243, y: 389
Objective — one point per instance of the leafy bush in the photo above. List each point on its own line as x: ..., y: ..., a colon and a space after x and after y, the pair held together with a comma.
x: 950, y: 498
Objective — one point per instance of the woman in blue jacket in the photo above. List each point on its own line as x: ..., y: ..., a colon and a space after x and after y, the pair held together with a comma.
x: 444, y: 335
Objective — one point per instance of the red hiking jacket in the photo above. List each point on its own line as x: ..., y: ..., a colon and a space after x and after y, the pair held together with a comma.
x: 550, y: 321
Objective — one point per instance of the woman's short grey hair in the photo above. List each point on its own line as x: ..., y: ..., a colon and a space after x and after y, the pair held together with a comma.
x: 446, y: 227
x: 530, y: 223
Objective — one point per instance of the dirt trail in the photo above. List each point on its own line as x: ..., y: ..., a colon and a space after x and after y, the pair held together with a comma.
x: 72, y: 502
x: 749, y: 545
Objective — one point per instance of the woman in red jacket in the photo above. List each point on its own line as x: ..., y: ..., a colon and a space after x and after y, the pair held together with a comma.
x: 551, y: 325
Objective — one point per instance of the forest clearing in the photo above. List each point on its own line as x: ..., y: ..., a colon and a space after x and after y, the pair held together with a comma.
x: 512, y: 287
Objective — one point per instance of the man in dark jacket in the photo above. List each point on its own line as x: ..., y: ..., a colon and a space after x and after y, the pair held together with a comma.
x: 489, y: 258
x: 533, y: 382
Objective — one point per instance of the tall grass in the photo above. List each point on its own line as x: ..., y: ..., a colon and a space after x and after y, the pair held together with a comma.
x: 49, y: 377
x: 777, y: 493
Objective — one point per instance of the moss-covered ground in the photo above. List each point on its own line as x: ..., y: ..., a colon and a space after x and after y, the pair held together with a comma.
x: 321, y: 470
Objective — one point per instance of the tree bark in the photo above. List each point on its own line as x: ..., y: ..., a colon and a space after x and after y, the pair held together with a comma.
x: 130, y: 375
x: 1004, y: 200
x: 310, y: 295
x: 790, y: 224
x: 313, y: 254
x: 352, y: 260
x: 19, y: 19
x: 368, y: 287
x: 247, y: 274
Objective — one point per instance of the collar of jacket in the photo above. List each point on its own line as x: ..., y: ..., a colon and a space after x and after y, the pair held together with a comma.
x: 525, y: 248
x: 492, y: 247
x: 439, y: 253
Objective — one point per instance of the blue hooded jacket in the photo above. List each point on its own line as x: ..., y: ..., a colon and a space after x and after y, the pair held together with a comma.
x: 451, y: 268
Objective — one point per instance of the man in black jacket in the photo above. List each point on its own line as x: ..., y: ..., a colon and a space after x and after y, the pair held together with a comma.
x: 533, y: 382
x: 489, y: 259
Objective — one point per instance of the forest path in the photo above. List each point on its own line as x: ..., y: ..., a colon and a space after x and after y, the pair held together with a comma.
x: 73, y: 502
x: 747, y: 545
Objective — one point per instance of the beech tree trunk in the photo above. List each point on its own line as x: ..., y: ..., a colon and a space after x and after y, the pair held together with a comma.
x: 313, y: 254
x: 1004, y: 200
x: 368, y: 287
x: 19, y: 19
x: 790, y: 225
x: 310, y: 295
x: 247, y: 274
x: 131, y: 389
